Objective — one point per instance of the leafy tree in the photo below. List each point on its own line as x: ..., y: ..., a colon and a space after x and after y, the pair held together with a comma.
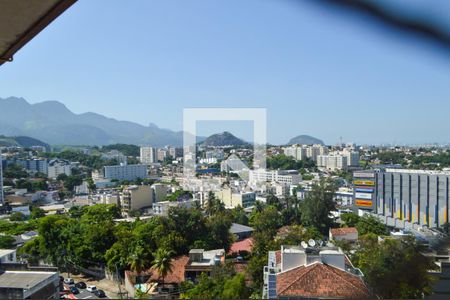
x: 91, y: 185
x: 268, y: 220
x: 138, y: 261
x: 284, y: 162
x: 16, y: 228
x: 37, y: 212
x: 255, y: 270
x: 76, y: 211
x: 219, y: 232
x: 62, y: 177
x: 214, y: 205
x: 179, y: 194
x: 235, y: 288
x: 39, y: 185
x: 222, y: 284
x: 318, y: 204
x: 7, y: 242
x: 370, y: 224
x: 239, y: 216
x: 15, y: 171
x: 395, y: 268
x: 350, y: 219
x: 24, y: 184
x: 297, y: 233
x: 70, y: 182
x: 17, y: 216
x: 41, y: 175
x: 125, y: 149
x: 163, y: 262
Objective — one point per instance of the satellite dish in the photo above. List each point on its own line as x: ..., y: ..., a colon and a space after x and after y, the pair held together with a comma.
x: 311, y: 243
x: 304, y: 244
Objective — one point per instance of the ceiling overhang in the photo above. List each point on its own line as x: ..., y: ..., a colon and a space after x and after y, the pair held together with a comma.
x: 22, y: 20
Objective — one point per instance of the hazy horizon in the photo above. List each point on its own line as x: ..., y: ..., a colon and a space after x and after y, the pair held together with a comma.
x: 317, y: 71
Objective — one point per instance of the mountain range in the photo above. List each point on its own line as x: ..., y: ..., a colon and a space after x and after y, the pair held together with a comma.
x: 54, y: 123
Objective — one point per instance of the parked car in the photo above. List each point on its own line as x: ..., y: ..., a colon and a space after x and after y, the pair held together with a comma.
x: 91, y: 288
x: 69, y: 281
x: 100, y: 293
x: 74, y: 290
x: 80, y: 285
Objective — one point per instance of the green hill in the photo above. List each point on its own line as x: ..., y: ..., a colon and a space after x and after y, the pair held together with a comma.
x: 21, y: 141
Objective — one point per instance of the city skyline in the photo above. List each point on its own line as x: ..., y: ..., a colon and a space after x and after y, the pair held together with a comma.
x: 371, y: 87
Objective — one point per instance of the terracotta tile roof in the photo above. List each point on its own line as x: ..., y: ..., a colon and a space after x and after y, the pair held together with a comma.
x: 321, y: 281
x: 244, y: 245
x: 177, y: 274
x: 343, y: 231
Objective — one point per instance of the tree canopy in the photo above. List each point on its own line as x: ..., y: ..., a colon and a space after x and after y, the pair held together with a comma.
x: 395, y: 268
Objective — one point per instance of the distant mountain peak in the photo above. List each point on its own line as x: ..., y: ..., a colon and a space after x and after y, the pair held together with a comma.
x: 223, y: 139
x: 53, y: 122
x: 305, y: 140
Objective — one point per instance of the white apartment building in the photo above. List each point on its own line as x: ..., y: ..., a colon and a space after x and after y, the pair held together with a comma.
x: 125, y: 172
x: 110, y: 198
x: 332, y: 162
x: 162, y: 208
x: 135, y: 197
x: 352, y: 157
x: 57, y: 167
x: 281, y: 176
x: 300, y: 152
x: 148, y: 155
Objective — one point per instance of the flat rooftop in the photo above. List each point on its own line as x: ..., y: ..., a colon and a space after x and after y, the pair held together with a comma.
x: 425, y: 172
x: 23, y: 279
x: 4, y: 252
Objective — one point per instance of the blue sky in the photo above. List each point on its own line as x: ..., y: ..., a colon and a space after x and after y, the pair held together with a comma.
x: 317, y: 71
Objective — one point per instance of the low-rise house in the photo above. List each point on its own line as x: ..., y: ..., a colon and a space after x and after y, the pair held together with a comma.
x: 201, y: 261
x: 8, y: 256
x: 349, y: 234
x: 241, y: 231
x: 183, y: 268
x: 241, y: 247
x: 312, y: 273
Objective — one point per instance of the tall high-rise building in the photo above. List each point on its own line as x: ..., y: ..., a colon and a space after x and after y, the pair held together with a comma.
x: 161, y: 154
x: 148, y: 155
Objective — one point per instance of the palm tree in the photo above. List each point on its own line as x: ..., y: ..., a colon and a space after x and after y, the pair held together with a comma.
x: 138, y: 260
x: 163, y: 262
